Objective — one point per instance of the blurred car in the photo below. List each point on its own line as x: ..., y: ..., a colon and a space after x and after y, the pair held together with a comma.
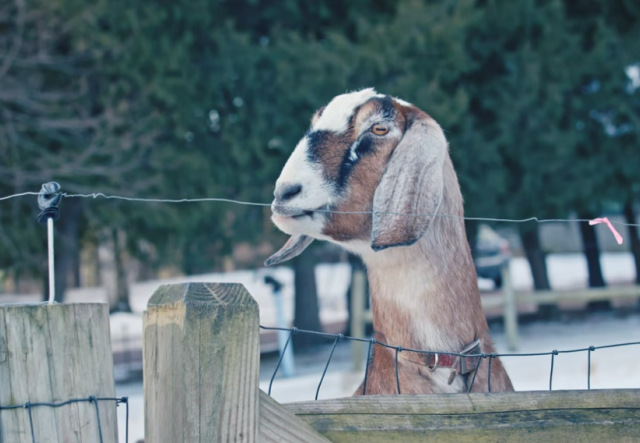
x: 491, y: 253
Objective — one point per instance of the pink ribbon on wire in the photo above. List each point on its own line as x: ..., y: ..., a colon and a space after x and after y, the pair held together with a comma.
x: 608, y: 223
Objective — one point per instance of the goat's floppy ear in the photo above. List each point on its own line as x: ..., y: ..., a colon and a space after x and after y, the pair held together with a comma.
x: 411, y: 184
x: 292, y: 248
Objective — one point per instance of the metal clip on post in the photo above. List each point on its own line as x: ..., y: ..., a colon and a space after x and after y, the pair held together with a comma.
x: 48, y: 200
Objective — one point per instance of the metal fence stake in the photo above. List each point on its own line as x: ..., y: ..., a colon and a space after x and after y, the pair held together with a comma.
x: 48, y: 200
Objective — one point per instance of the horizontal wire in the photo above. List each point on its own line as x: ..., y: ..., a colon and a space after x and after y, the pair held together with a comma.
x: 18, y: 195
x: 456, y: 354
x: 64, y: 403
x: 328, y: 211
x: 165, y: 200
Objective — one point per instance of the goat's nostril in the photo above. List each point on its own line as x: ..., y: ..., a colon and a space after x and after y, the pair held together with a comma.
x: 288, y: 191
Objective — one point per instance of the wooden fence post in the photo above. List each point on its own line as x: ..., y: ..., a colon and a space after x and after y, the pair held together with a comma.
x: 358, y: 301
x: 510, y: 309
x: 201, y: 364
x: 55, y: 353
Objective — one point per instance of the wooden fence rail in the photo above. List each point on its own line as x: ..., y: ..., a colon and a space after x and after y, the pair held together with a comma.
x: 201, y: 369
x: 559, y: 416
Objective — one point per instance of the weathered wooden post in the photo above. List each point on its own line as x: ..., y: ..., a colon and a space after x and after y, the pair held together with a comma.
x: 510, y: 309
x: 201, y: 370
x: 358, y: 300
x: 201, y: 364
x: 51, y: 354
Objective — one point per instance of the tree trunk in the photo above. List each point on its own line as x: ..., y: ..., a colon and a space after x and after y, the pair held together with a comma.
x: 592, y: 254
x: 306, y: 310
x: 630, y: 216
x: 529, y: 236
x: 122, y: 287
x: 67, y: 244
x: 535, y: 257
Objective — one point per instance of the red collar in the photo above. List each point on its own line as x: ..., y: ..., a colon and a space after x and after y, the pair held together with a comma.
x: 462, y: 365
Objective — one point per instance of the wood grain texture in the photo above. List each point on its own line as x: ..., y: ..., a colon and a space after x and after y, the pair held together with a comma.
x: 278, y: 425
x: 471, y: 403
x: 201, y: 364
x: 571, y: 416
x: 358, y: 309
x: 53, y: 353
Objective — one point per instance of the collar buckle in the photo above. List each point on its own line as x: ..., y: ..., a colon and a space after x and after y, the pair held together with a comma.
x: 470, y: 364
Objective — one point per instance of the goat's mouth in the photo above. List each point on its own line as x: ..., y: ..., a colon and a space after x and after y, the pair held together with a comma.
x: 303, y: 214
x: 285, y: 212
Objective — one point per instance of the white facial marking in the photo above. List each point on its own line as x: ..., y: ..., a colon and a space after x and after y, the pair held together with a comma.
x: 353, y: 155
x: 299, y: 170
x: 402, y: 102
x: 335, y: 116
x: 315, y: 193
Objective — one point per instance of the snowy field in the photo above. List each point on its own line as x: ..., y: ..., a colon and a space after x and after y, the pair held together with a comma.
x: 566, y: 271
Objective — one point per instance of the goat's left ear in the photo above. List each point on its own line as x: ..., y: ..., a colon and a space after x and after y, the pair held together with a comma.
x: 411, y: 184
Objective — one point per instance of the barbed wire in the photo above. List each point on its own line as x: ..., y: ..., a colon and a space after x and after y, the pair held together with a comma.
x: 96, y: 195
x: 398, y: 349
x: 118, y: 401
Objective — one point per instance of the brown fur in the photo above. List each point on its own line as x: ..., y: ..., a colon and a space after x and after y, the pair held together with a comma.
x: 454, y: 303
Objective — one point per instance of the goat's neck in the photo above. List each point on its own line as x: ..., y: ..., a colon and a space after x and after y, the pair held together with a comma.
x: 426, y: 296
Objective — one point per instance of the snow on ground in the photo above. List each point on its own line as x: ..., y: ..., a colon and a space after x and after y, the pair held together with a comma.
x: 566, y: 271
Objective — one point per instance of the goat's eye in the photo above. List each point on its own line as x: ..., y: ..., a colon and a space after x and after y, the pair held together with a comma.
x: 379, y: 129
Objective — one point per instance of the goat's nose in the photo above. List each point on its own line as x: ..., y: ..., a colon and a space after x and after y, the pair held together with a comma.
x: 287, y: 191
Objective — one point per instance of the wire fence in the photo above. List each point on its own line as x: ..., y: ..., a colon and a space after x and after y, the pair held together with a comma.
x: 321, y: 210
x: 94, y: 400
x: 398, y: 349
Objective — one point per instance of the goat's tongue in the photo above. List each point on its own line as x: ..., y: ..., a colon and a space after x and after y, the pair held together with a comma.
x: 292, y: 248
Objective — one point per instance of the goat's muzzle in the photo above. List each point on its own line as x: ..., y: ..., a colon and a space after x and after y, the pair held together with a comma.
x: 281, y: 209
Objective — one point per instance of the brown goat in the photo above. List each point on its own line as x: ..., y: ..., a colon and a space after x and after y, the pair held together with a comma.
x: 373, y: 174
